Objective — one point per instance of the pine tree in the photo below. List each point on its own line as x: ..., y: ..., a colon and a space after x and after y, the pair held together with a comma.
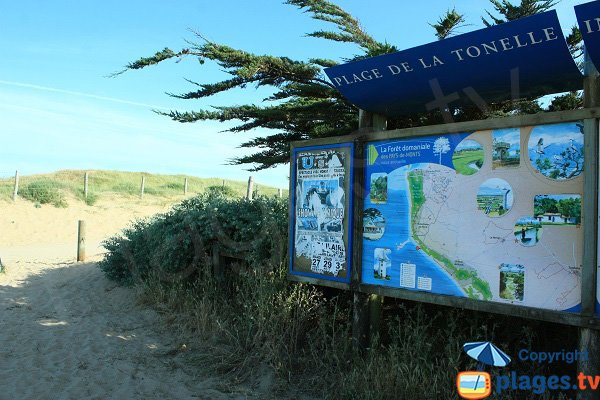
x: 304, y: 104
x: 510, y: 12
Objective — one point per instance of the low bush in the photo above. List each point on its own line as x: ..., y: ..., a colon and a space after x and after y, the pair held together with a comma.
x: 90, y: 200
x: 173, y: 186
x: 44, y: 192
x: 175, y: 243
x: 223, y: 190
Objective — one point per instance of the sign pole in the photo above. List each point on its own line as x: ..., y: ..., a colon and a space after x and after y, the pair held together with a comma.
x: 366, y: 319
x: 360, y: 301
x: 589, y: 339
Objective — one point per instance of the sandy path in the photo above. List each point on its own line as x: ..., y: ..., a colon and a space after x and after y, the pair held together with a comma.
x: 66, y: 332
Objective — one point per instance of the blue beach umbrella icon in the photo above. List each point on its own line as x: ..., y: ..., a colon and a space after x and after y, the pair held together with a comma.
x: 486, y: 353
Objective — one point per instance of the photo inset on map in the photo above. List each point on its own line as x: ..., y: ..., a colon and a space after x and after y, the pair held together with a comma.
x: 557, y: 209
x: 528, y: 231
x: 373, y: 224
x: 468, y: 157
x: 382, y: 263
x: 379, y: 188
x: 556, y: 151
x: 506, y: 148
x: 512, y: 282
x: 495, y: 197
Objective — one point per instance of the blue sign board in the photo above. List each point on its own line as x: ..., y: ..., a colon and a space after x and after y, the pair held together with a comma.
x: 588, y: 18
x: 526, y: 57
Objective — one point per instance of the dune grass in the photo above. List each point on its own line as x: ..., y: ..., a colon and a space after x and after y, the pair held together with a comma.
x: 102, y: 183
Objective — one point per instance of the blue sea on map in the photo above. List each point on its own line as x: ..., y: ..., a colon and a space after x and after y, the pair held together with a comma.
x: 398, y: 239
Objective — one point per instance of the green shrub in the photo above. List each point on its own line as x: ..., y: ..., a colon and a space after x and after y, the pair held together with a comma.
x: 44, y: 192
x: 175, y: 242
x: 91, y: 199
x: 173, y: 186
x: 222, y: 190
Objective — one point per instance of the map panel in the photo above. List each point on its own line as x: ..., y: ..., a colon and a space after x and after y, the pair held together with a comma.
x: 490, y: 215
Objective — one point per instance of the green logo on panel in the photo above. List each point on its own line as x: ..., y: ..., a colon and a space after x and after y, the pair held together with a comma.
x: 372, y: 155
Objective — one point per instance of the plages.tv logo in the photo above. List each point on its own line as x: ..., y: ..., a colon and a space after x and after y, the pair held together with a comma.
x: 475, y: 385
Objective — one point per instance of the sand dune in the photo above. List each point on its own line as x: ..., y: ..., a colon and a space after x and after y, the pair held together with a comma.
x: 67, y: 332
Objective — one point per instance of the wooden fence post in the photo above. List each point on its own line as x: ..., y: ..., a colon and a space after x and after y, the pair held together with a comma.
x: 142, y: 187
x: 85, y: 185
x: 16, y: 189
x: 250, y: 188
x: 217, y: 264
x: 185, y: 186
x: 81, y: 241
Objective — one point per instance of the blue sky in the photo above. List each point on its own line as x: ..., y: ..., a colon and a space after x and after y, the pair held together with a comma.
x: 511, y: 135
x: 59, y: 110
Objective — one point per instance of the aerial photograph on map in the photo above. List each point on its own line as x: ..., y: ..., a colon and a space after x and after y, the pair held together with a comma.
x: 506, y: 148
x: 468, y: 157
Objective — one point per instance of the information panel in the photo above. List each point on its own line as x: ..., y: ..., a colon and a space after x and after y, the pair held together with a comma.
x: 321, y: 237
x: 489, y: 215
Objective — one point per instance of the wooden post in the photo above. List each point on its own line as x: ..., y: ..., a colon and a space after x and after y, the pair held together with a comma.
x: 360, y: 301
x: 589, y: 339
x: 185, y: 186
x: 379, y: 123
x: 366, y: 309
x: 217, y: 264
x: 280, y: 192
x: 250, y: 188
x: 16, y: 189
x: 81, y: 241
x: 85, y: 185
x: 142, y: 187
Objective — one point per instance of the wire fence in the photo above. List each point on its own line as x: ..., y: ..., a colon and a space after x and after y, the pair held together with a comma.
x: 90, y: 186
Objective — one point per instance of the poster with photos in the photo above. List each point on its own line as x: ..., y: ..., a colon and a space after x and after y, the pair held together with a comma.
x: 321, y: 203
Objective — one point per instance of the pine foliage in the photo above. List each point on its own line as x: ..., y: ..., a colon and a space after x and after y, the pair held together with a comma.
x: 304, y: 104
x: 511, y: 12
x: 448, y: 23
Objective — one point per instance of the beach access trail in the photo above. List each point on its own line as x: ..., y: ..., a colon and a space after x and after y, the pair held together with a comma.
x: 66, y: 332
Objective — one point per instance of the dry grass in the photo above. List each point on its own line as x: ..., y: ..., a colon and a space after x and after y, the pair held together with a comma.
x: 127, y: 184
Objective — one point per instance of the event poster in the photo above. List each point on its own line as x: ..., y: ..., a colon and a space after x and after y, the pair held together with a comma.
x: 320, y: 240
x: 492, y: 215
